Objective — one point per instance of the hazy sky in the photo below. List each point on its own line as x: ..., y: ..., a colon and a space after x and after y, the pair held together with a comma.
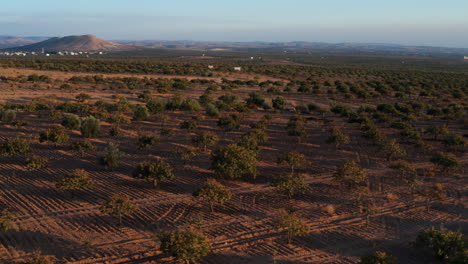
x: 416, y: 22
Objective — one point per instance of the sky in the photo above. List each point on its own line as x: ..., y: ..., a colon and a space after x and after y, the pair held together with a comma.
x: 409, y: 22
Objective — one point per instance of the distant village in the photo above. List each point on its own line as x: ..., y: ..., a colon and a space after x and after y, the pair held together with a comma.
x: 48, y: 54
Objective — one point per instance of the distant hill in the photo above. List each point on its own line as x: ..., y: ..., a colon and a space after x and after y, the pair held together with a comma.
x: 85, y: 43
x: 302, y: 46
x: 11, y: 41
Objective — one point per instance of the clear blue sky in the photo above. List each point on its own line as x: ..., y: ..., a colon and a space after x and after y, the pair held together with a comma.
x: 415, y: 22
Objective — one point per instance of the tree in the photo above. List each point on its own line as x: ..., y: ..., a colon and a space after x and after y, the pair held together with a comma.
x: 296, y: 127
x: 186, y: 245
x: 290, y: 185
x: 55, y: 135
x: 444, y: 245
x: 279, y: 103
x: 392, y: 149
x: 78, y: 179
x: 72, y: 122
x: 205, y: 139
x: 337, y: 137
x: 141, y: 113
x: 118, y: 206
x: 5, y: 220
x: 111, y: 158
x: 378, y: 257
x: 445, y: 160
x: 431, y: 193
x: 213, y: 192
x: 15, y: 146
x: 350, y: 174
x: 234, y: 162
x: 293, y: 160
x: 90, y: 127
x: 292, y: 224
x: 153, y: 171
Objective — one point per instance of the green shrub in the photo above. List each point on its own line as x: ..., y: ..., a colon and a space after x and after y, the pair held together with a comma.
x: 15, y: 146
x: 72, y: 122
x: 90, y: 127
x: 444, y: 245
x: 185, y: 245
x: 7, y: 116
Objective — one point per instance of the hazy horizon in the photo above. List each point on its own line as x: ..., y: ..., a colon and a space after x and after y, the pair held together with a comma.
x: 419, y: 23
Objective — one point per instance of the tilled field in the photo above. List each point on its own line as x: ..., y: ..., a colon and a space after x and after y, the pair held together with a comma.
x: 240, y: 231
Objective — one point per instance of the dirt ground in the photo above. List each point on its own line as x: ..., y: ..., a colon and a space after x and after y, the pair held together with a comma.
x: 240, y: 231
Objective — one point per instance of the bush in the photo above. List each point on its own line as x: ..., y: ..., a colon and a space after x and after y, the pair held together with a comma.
x: 14, y: 146
x: 279, y: 103
x: 141, y: 113
x: 378, y: 258
x: 255, y: 99
x: 155, y: 106
x: 296, y: 127
x: 112, y: 157
x: 190, y: 105
x: 454, y: 140
x: 212, y: 110
x: 445, y: 160
x: 82, y: 146
x: 117, y: 206
x: 37, y: 162
x: 234, y: 162
x: 337, y: 137
x: 76, y: 180
x: 350, y: 174
x: 90, y: 127
x: 82, y: 97
x: 5, y: 220
x: 72, y: 122
x: 7, y: 116
x: 55, y: 135
x: 444, y: 245
x: 154, y: 171
x: 189, y: 125
x: 230, y: 122
x: 185, y: 245
x: 146, y: 141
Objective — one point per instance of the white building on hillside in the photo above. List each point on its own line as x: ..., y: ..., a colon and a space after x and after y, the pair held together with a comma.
x: 237, y: 68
